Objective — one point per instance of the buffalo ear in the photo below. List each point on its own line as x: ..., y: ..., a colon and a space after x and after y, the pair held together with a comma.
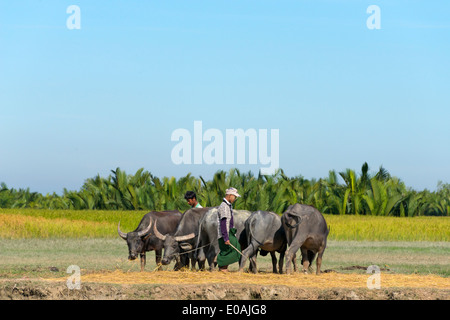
x: 185, y: 246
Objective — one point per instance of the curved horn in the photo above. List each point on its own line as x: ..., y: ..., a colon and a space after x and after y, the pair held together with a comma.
x: 157, y: 233
x: 121, y: 234
x: 184, y: 238
x: 146, y: 231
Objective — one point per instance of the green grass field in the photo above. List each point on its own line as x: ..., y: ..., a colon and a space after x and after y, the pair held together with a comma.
x: 51, y: 257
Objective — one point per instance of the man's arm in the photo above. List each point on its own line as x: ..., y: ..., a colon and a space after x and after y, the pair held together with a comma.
x: 223, y: 230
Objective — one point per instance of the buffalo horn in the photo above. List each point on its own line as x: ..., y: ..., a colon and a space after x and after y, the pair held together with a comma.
x: 121, y: 234
x: 157, y: 233
x: 146, y: 231
x: 186, y: 237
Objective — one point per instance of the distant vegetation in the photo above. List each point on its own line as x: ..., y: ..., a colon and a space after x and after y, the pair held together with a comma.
x: 343, y: 193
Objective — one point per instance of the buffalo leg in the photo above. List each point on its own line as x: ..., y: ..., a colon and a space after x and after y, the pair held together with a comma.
x: 290, y: 254
x: 158, y: 257
x: 319, y: 262
x: 180, y: 262
x: 194, y: 260
x: 295, y: 245
x: 177, y: 265
x: 201, y: 265
x: 211, y: 257
x: 282, y: 252
x: 274, y: 262
x: 191, y: 260
x: 201, y: 258
x: 248, y: 253
x: 280, y: 262
x: 143, y: 261
x: 305, y: 260
x: 253, y: 264
x: 183, y: 261
x: 319, y: 259
x: 215, y: 261
x: 294, y: 261
x: 311, y: 256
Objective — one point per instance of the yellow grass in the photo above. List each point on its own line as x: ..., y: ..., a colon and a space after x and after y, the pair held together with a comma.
x: 34, y: 223
x: 15, y: 226
x: 388, y: 228
x: 327, y: 280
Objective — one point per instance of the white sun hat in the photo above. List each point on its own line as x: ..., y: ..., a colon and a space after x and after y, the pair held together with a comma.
x: 232, y: 191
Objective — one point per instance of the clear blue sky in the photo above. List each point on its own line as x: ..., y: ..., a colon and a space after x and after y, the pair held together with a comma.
x: 77, y: 103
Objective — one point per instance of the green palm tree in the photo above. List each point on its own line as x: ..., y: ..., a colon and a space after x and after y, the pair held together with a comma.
x: 411, y: 204
x: 381, y: 197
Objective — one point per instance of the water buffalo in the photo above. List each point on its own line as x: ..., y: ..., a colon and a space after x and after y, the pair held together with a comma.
x: 208, y: 239
x: 264, y: 230
x: 306, y: 229
x: 142, y: 239
x: 183, y: 239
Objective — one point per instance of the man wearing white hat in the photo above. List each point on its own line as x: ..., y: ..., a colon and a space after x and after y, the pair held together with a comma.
x: 227, y: 232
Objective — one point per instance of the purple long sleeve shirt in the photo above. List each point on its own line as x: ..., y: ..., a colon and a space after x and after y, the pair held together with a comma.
x: 226, y: 220
x: 223, y: 227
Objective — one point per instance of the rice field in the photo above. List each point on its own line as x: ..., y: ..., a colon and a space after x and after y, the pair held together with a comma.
x: 39, y: 223
x: 376, y: 228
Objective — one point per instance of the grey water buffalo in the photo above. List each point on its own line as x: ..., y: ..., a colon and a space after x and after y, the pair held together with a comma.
x: 183, y: 239
x: 306, y: 229
x: 208, y: 236
x: 264, y: 231
x: 142, y: 239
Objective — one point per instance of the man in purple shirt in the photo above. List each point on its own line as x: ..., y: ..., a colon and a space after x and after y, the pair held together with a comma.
x: 227, y: 232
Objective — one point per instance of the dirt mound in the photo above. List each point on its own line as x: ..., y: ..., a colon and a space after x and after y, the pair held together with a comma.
x: 45, y: 290
x: 257, y: 292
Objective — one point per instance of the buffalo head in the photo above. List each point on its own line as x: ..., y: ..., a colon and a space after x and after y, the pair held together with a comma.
x: 172, y: 244
x: 135, y: 240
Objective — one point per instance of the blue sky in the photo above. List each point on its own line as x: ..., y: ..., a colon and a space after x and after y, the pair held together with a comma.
x: 77, y: 103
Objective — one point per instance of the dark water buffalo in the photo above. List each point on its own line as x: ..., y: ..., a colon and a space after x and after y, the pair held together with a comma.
x: 306, y: 229
x: 142, y: 239
x: 183, y: 239
x: 265, y: 231
x: 208, y: 239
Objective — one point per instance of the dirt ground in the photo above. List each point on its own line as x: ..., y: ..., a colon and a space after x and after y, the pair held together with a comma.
x: 233, y: 286
x: 35, y: 290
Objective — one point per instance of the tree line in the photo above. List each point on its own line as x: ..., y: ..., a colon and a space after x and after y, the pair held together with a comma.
x: 346, y: 192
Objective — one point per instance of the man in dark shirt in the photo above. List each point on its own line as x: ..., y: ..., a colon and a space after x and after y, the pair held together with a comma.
x: 227, y: 232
